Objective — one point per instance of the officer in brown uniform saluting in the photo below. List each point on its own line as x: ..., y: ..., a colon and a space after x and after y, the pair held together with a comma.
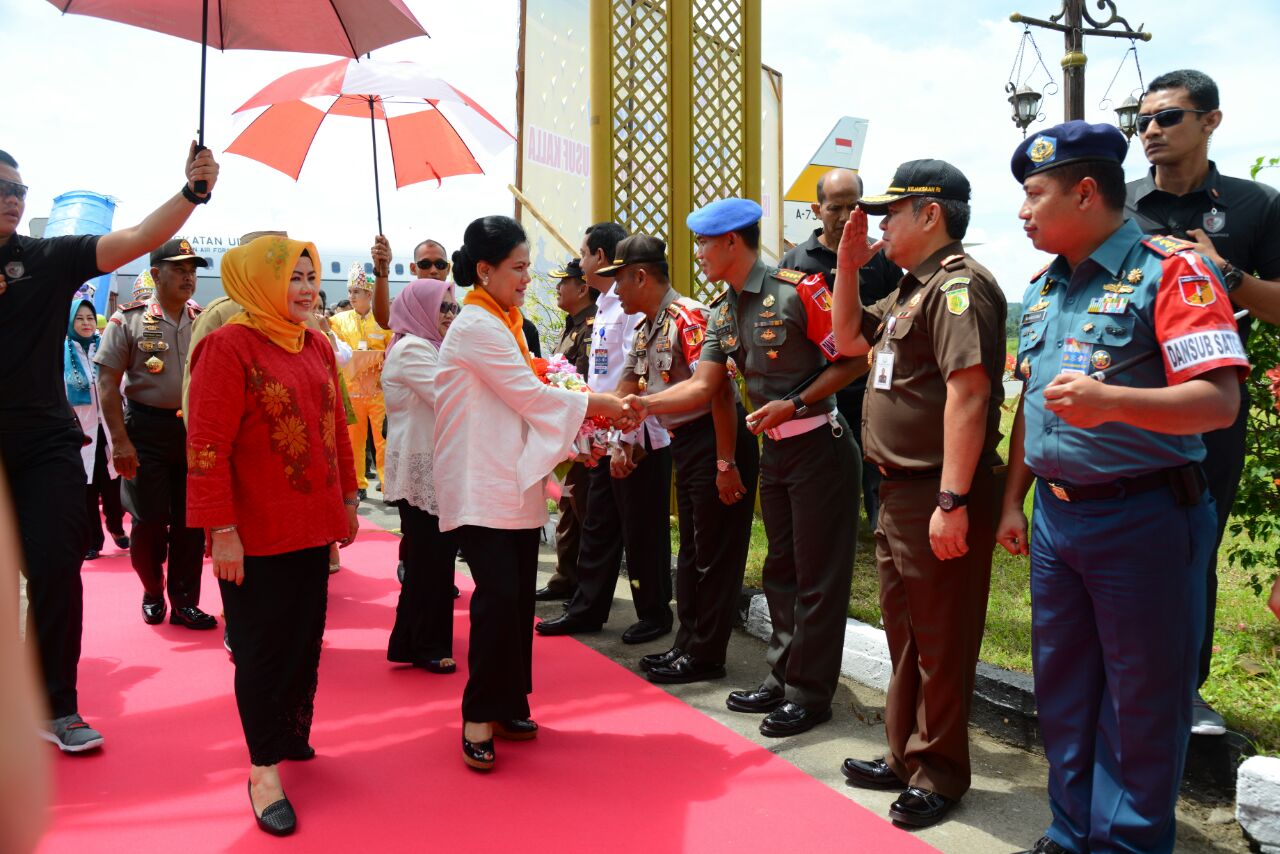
x: 936, y: 347
x: 147, y: 343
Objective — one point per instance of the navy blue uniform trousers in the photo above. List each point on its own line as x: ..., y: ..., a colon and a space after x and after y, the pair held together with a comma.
x: 1117, y: 598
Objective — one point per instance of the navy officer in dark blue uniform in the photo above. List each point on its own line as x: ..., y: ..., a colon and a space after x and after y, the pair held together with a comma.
x: 1123, y: 522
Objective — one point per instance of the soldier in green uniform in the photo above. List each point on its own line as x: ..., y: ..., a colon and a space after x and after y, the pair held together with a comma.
x: 145, y: 344
x: 776, y: 326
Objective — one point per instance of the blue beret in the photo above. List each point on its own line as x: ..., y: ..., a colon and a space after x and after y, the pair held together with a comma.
x: 1070, y: 142
x: 723, y: 216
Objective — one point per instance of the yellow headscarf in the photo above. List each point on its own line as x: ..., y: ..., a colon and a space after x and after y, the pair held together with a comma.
x: 256, y: 275
x: 510, y: 318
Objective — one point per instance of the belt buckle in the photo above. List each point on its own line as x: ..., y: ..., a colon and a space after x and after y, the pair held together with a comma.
x: 1060, y: 492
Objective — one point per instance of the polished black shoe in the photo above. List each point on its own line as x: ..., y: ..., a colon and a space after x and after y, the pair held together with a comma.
x: 121, y: 540
x: 516, y: 729
x: 552, y: 594
x: 653, y: 659
x: 1045, y: 846
x: 683, y: 670
x: 792, y: 719
x: 871, y: 774
x: 362, y: 494
x: 565, y: 625
x: 920, y: 807
x: 645, y: 631
x: 400, y: 572
x: 91, y: 554
x: 478, y: 755
x: 192, y: 618
x: 153, y: 611
x: 760, y: 700
x: 278, y: 818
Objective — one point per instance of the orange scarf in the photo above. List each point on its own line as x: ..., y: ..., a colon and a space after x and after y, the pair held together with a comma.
x: 256, y: 275
x: 511, y: 318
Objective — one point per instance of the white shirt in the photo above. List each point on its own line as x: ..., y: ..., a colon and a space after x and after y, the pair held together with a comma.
x: 409, y: 388
x: 90, y: 416
x: 611, y: 338
x: 499, y: 431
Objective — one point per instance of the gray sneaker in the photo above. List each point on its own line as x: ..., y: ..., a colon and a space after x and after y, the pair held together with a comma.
x: 1204, y: 720
x: 72, y: 734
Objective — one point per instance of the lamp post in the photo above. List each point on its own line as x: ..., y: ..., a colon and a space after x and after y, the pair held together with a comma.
x: 1070, y: 21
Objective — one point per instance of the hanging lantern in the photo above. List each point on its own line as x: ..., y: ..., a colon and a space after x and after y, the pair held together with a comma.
x: 1025, y: 102
x: 1127, y: 117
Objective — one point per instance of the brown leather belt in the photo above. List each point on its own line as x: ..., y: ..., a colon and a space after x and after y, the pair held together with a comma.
x: 1115, y: 489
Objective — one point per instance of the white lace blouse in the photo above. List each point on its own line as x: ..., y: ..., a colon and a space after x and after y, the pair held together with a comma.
x: 409, y: 387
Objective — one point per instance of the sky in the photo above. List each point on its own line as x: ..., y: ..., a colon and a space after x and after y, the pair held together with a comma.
x: 98, y: 105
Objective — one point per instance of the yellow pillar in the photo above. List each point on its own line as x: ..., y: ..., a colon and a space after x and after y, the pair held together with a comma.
x: 751, y: 98
x: 600, y: 56
x: 680, y: 116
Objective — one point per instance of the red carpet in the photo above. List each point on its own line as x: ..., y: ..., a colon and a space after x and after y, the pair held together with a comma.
x: 646, y: 772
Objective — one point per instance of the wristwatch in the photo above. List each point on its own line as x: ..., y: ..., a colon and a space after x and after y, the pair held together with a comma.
x: 725, y: 465
x: 949, y: 501
x: 802, y: 409
x: 1231, y: 276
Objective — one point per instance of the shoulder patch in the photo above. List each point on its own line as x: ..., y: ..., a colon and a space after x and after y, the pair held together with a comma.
x: 724, y: 293
x: 953, y: 262
x: 130, y: 306
x: 795, y: 277
x: 954, y: 280
x: 958, y: 301
x: 1041, y: 272
x: 1165, y: 247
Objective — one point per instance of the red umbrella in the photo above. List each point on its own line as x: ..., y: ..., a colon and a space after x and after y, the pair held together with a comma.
x: 435, y: 129
x: 337, y: 27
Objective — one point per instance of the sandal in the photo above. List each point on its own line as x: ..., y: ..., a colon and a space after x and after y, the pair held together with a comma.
x: 478, y: 755
x: 439, y: 665
x: 516, y: 729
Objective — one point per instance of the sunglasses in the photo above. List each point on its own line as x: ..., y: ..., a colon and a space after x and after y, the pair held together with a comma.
x: 427, y: 264
x: 12, y: 188
x: 449, y: 308
x: 1166, y: 118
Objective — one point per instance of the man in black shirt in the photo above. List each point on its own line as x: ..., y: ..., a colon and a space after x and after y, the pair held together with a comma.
x: 1234, y: 223
x: 40, y: 438
x: 838, y: 194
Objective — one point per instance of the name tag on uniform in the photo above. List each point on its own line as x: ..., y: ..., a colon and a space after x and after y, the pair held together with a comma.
x: 884, y: 370
x: 1033, y: 317
x: 1075, y: 357
x: 600, y: 362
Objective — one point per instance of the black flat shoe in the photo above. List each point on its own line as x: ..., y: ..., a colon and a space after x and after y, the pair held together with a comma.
x: 792, y: 719
x: 565, y: 625
x: 645, y: 631
x: 192, y: 618
x: 516, y: 729
x: 552, y: 594
x: 754, y: 700
x: 1045, y: 845
x: 278, y: 818
x: 478, y: 755
x: 121, y: 540
x: 871, y: 774
x: 684, y: 670
x: 437, y: 665
x: 655, y: 659
x: 920, y: 807
x: 153, y: 612
x: 92, y: 554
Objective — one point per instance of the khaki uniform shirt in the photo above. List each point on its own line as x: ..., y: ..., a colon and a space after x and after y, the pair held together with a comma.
x: 946, y: 316
x: 575, y: 341
x: 151, y: 349
x: 666, y: 349
x: 777, y: 330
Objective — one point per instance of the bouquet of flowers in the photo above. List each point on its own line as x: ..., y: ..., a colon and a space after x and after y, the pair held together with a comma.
x: 594, y: 432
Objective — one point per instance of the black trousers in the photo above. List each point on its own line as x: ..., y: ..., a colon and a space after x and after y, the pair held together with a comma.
x: 573, y: 506
x: 106, y: 489
x: 810, y: 562
x: 275, y: 621
x: 424, y: 614
x: 157, y: 498
x: 504, y: 566
x: 709, y: 573
x: 632, y: 513
x: 46, y: 482
x: 849, y: 402
x: 1223, y: 464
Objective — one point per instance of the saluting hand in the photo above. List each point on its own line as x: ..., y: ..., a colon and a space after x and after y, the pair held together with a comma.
x: 854, y: 251
x: 381, y: 254
x: 1079, y: 400
x: 201, y: 167
x: 770, y: 415
x: 1012, y: 532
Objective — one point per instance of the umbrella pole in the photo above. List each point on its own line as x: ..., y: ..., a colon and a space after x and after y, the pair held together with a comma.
x: 373, y: 137
x: 202, y: 187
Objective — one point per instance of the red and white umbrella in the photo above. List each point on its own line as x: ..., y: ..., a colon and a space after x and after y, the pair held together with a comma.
x: 436, y: 130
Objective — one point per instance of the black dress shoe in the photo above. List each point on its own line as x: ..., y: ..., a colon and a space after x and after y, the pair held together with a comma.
x: 919, y: 807
x: 153, y: 611
x: 644, y: 631
x: 1045, y: 846
x: 192, y: 618
x: 91, y: 554
x: 792, y: 719
x: 565, y: 625
x: 871, y: 774
x: 755, y: 701
x: 362, y: 494
x: 121, y: 540
x: 683, y: 670
x: 516, y: 729
x: 457, y: 594
x: 653, y: 659
x: 552, y: 594
x: 278, y: 818
x: 400, y: 572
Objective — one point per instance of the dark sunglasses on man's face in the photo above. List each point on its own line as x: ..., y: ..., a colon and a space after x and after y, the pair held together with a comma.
x: 1165, y: 118
x: 427, y: 264
x: 12, y: 188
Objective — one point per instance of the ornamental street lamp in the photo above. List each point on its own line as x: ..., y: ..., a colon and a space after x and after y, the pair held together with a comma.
x: 1127, y: 117
x: 1026, y: 105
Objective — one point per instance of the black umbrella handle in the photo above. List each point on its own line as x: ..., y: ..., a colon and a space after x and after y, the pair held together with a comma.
x: 201, y: 188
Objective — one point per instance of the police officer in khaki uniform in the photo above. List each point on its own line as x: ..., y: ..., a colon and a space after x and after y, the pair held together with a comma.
x: 714, y: 502
x: 578, y: 302
x: 936, y: 347
x: 146, y: 344
x: 776, y: 326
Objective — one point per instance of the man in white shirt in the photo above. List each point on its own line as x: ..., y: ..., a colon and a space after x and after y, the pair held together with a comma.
x: 628, y: 501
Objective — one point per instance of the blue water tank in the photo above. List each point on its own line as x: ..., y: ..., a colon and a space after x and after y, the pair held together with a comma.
x: 84, y: 212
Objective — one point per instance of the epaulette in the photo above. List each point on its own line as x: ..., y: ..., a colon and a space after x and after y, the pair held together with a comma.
x: 1041, y: 272
x: 794, y: 277
x: 1167, y: 247
x: 130, y: 306
x: 953, y: 262
x: 683, y: 308
x: 724, y: 293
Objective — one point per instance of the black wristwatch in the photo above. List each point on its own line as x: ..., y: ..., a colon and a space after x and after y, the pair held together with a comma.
x: 1231, y: 276
x: 189, y: 195
x: 949, y: 501
x: 802, y: 409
